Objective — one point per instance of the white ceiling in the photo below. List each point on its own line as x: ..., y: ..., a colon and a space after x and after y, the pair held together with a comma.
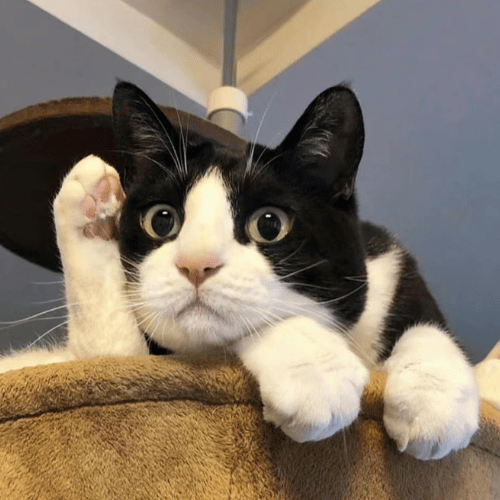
x: 200, y: 22
x: 180, y: 42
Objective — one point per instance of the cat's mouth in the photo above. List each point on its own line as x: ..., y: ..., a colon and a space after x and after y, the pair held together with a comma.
x: 197, y: 307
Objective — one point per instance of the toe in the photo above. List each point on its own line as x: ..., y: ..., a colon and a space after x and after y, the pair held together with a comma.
x: 88, y: 206
x: 102, y: 191
x: 109, y: 186
x: 116, y: 187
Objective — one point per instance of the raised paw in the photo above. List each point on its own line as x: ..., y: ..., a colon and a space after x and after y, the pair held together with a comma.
x: 310, y: 382
x: 89, y: 202
x: 86, y: 210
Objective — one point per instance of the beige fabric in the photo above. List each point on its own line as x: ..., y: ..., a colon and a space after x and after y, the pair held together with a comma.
x: 175, y: 428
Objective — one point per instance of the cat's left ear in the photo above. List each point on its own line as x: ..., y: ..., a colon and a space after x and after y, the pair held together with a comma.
x: 141, y: 132
x: 326, y: 143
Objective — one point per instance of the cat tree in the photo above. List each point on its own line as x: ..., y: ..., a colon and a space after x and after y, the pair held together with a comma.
x: 176, y: 427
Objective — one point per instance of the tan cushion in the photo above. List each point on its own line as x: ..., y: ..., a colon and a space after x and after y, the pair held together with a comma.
x: 177, y: 428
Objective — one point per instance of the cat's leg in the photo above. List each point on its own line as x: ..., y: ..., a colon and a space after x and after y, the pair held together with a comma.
x: 86, y: 210
x: 99, y: 319
x: 311, y: 383
x: 431, y: 404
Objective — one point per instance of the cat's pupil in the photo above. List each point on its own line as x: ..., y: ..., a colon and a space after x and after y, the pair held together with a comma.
x: 269, y: 226
x: 163, y: 222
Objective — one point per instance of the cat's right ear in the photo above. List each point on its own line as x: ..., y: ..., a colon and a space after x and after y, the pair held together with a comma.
x: 143, y: 135
x: 326, y: 143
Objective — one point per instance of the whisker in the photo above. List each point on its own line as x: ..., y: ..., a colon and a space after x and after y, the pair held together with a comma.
x: 292, y: 254
x: 171, y: 150
x: 310, y: 285
x: 60, y: 282
x: 337, y: 299
x: 250, y: 157
x: 251, y: 330
x: 34, y: 316
x: 323, y: 261
x: 357, y: 278
x: 47, y: 333
x: 51, y: 301
x: 295, y: 309
x: 154, y: 321
x: 265, y: 316
x: 298, y: 310
x: 266, y: 148
x: 256, y: 171
x: 183, y: 140
x: 152, y: 160
x: 151, y: 318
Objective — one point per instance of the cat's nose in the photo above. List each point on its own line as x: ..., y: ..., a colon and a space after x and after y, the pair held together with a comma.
x: 198, y: 269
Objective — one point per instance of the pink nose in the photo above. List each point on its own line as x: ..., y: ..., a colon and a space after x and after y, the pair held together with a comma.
x: 199, y: 269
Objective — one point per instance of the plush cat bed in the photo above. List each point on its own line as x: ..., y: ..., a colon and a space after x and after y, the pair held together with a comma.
x: 178, y: 428
x: 173, y: 427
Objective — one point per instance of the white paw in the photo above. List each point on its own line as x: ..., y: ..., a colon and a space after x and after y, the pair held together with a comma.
x: 487, y: 374
x: 86, y: 211
x: 89, y: 202
x: 431, y: 404
x: 311, y: 383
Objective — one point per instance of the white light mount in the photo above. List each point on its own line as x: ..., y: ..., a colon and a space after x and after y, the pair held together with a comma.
x: 228, y: 108
x: 228, y: 105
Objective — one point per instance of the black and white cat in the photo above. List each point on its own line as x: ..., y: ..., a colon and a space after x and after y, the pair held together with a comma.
x: 262, y: 254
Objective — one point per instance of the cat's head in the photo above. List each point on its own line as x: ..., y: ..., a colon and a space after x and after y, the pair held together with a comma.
x: 218, y: 244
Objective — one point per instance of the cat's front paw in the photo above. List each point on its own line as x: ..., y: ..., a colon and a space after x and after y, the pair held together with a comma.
x: 311, y: 383
x: 428, y: 418
x: 431, y: 403
x: 88, y: 203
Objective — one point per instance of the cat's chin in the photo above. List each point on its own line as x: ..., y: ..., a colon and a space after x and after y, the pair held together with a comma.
x: 195, y: 329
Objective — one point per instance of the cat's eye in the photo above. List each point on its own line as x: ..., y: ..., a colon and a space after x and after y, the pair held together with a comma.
x: 161, y: 221
x: 268, y: 225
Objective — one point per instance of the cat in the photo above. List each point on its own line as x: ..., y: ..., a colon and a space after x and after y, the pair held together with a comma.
x: 196, y: 247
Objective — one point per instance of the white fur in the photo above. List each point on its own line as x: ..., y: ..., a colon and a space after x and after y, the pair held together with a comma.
x: 100, y: 323
x: 431, y: 399
x: 208, y: 225
x: 488, y: 377
x: 35, y: 357
x: 310, y: 381
x: 382, y: 279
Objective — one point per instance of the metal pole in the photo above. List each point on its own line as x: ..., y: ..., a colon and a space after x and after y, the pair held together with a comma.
x: 228, y: 53
x: 228, y: 102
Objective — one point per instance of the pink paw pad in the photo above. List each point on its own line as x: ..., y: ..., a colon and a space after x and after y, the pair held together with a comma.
x: 102, y: 207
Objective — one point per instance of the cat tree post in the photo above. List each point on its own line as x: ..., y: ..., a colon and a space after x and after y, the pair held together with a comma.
x: 227, y: 105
